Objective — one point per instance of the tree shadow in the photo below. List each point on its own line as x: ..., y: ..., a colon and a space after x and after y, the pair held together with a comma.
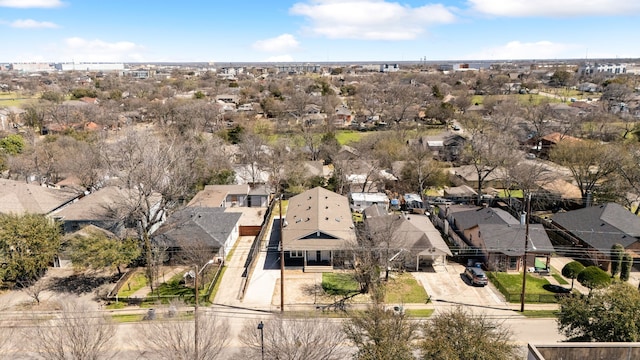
x: 312, y: 289
x: 556, y: 289
x: 80, y: 284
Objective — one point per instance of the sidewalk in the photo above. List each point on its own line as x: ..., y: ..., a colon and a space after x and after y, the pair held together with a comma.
x: 558, y: 262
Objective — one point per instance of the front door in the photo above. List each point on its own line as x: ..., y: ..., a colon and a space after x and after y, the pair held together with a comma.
x: 318, y: 256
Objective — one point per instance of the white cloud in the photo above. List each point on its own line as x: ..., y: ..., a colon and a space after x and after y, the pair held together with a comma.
x: 284, y: 42
x: 555, y: 8
x: 24, y: 4
x: 279, y: 58
x: 32, y: 24
x: 370, y: 19
x: 80, y: 49
x: 515, y: 50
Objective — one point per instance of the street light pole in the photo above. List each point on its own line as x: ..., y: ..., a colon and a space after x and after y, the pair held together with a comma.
x: 526, y: 242
x: 195, y: 310
x: 261, y: 327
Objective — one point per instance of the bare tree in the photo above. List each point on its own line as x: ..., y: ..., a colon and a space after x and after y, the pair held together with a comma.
x: 488, y: 151
x: 77, y: 332
x: 34, y: 288
x: 157, y: 173
x: 252, y: 153
x: 590, y: 162
x: 294, y: 339
x: 171, y: 336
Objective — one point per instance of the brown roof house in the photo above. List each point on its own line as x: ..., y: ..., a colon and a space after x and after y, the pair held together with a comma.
x: 19, y: 197
x: 231, y: 196
x: 319, y: 230
x: 105, y: 208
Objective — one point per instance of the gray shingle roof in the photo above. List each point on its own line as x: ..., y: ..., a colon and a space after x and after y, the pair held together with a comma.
x: 470, y: 218
x: 212, y: 226
x: 509, y: 239
x: 601, y: 226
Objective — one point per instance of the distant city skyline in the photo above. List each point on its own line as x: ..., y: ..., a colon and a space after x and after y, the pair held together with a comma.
x: 316, y: 30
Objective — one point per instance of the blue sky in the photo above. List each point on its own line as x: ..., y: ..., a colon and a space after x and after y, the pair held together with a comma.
x: 316, y: 30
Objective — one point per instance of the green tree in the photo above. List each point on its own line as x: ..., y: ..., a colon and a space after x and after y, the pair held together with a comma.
x: 627, y: 264
x: 609, y: 315
x: 53, y: 96
x: 12, y: 144
x: 28, y: 244
x: 97, y: 251
x: 592, y: 277
x: 235, y: 134
x: 381, y: 334
x: 561, y: 77
x: 457, y: 334
x: 571, y: 271
x: 617, y: 252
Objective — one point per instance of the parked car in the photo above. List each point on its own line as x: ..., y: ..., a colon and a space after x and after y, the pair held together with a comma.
x: 476, y: 276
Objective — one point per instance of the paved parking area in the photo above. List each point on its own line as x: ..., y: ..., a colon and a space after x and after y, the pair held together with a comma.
x: 447, y: 287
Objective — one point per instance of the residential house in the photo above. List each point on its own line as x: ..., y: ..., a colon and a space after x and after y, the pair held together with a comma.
x: 498, y: 239
x: 409, y: 242
x: 20, y: 197
x: 192, y: 231
x: 595, y: 229
x: 102, y: 208
x: 362, y: 200
x: 319, y: 231
x: 364, y: 176
x: 251, y: 174
x: 547, y: 142
x: 468, y: 175
x: 343, y: 116
x: 230, y: 196
x: 313, y: 115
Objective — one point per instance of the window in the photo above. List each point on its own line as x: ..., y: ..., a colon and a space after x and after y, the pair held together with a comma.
x: 513, y: 262
x: 296, y: 254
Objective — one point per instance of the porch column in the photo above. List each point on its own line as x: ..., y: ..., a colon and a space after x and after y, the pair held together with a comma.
x: 331, y: 257
x: 418, y: 262
x: 304, y: 265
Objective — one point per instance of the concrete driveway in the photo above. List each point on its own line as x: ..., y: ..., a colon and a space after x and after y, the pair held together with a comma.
x: 448, y: 287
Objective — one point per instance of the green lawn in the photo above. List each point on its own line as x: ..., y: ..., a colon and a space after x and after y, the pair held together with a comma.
x: 560, y: 279
x: 346, y: 137
x: 510, y: 285
x: 541, y: 314
x: 404, y: 289
x: 342, y: 284
x: 420, y: 313
x: 216, y: 286
x: 127, y: 318
x: 135, y: 283
x: 12, y: 99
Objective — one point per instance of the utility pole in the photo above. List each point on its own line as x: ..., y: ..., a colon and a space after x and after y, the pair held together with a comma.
x: 526, y: 242
x: 196, y: 344
x: 281, y: 259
